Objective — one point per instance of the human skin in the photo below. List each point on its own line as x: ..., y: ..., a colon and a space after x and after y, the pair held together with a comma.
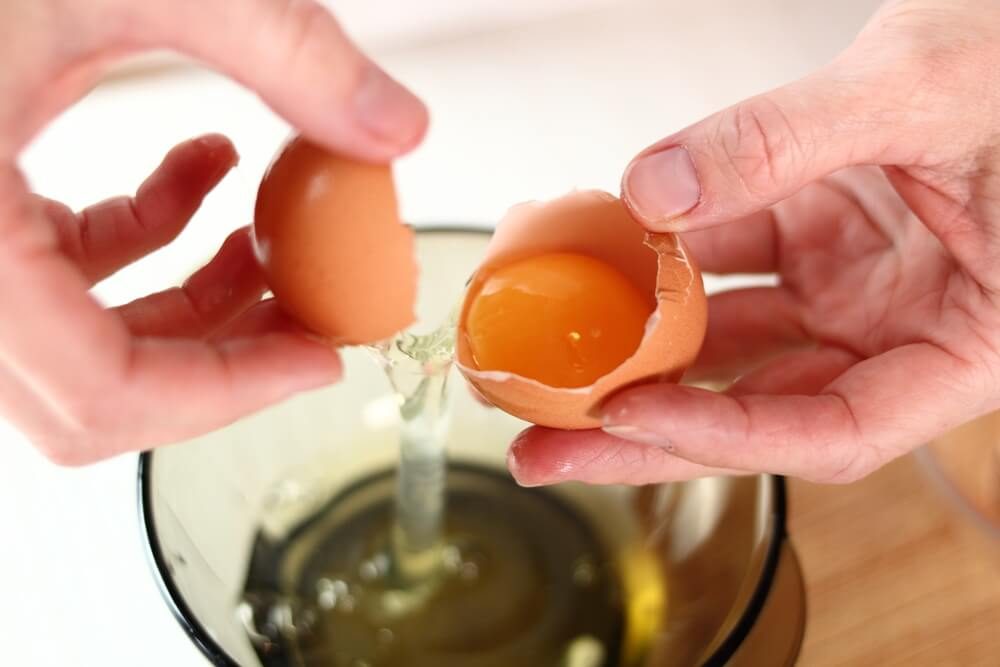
x: 83, y: 382
x: 872, y: 189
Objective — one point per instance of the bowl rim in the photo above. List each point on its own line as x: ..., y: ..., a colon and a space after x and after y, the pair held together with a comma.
x: 217, y: 655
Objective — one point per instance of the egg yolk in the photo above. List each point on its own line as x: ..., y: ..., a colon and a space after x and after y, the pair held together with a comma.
x: 562, y: 319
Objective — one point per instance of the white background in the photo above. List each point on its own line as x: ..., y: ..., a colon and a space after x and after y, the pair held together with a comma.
x: 528, y: 98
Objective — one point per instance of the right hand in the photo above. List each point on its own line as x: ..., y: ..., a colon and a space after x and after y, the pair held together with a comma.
x: 85, y: 383
x: 884, y: 330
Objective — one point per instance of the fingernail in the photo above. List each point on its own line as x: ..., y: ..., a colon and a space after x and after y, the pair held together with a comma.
x: 215, y: 141
x: 514, y: 465
x: 217, y: 146
x: 662, y: 186
x: 388, y: 110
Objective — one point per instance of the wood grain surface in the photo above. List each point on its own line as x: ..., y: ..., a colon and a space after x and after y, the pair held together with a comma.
x: 894, y: 574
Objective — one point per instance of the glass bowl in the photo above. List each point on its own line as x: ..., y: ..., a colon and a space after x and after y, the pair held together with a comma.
x: 730, y: 583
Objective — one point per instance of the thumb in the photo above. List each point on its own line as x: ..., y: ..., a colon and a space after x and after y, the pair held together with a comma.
x: 292, y: 53
x: 758, y: 152
x: 299, y: 59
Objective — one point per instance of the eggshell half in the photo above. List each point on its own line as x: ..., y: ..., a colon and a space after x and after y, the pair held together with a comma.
x: 328, y: 235
x: 596, y: 224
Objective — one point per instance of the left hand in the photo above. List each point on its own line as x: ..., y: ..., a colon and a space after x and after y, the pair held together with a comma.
x: 84, y: 383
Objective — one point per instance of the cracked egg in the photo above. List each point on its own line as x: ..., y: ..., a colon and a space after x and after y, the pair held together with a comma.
x: 328, y: 236
x: 574, y: 301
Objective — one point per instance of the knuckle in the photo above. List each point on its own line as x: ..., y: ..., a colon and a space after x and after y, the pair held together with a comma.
x: 848, y: 455
x: 760, y: 144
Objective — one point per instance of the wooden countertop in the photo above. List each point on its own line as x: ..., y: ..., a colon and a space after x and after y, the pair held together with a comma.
x: 894, y: 575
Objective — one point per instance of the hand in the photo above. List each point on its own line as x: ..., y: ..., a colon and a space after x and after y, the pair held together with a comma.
x: 884, y: 330
x: 84, y: 383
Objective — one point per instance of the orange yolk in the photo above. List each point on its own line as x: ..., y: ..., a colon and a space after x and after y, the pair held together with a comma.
x: 562, y: 319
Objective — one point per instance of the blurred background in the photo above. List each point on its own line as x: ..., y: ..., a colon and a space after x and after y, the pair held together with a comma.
x: 529, y: 98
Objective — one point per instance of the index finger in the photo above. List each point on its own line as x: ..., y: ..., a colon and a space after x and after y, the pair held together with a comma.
x: 874, y: 411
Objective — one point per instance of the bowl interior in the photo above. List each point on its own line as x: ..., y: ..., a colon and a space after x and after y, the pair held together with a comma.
x: 203, y: 502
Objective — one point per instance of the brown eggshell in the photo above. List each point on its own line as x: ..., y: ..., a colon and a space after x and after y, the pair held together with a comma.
x: 328, y: 235
x: 596, y: 224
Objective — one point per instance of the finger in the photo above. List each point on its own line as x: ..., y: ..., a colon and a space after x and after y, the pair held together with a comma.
x: 291, y: 52
x: 745, y: 328
x: 261, y: 318
x: 107, y: 393
x: 31, y: 415
x: 763, y: 150
x: 225, y: 287
x: 177, y: 389
x: 976, y: 246
x: 296, y: 56
x: 107, y: 236
x: 877, y: 410
x: 64, y: 345
x: 19, y: 405
x: 235, y: 378
x: 541, y: 456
